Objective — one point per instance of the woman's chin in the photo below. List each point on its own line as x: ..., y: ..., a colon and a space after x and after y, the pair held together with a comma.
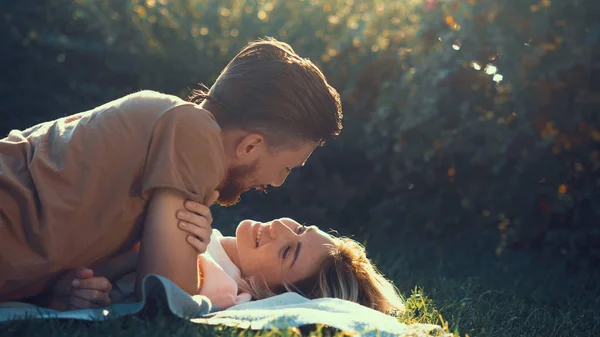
x: 244, y: 231
x: 241, y: 226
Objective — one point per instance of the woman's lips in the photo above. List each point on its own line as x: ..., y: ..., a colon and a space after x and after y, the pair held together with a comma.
x: 258, y: 234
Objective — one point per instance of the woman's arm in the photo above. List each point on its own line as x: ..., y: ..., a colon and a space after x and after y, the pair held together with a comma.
x: 162, y: 251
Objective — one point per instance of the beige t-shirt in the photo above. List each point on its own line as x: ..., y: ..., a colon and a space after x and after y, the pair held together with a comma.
x: 74, y: 191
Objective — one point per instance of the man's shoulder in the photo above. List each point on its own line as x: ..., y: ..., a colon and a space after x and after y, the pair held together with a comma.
x: 149, y: 100
x: 192, y: 116
x: 165, y: 104
x: 147, y: 107
x: 152, y: 95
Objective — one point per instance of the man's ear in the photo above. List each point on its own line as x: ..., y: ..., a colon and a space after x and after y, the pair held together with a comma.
x: 250, y: 146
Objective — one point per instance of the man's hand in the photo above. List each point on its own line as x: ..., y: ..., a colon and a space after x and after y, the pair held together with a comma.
x: 197, y: 221
x: 79, y: 289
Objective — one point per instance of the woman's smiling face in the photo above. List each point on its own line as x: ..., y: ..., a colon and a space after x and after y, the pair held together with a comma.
x: 280, y: 250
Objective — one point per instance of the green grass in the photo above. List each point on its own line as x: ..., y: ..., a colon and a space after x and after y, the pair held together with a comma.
x: 462, y: 287
x: 477, y: 293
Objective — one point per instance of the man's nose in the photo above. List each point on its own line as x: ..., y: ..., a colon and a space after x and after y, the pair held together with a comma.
x: 280, y: 180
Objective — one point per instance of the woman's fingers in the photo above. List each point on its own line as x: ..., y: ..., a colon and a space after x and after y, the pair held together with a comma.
x: 213, y: 198
x: 198, y: 209
x: 197, y: 220
x: 194, y: 219
x: 203, y: 233
x: 199, y: 238
x: 198, y: 245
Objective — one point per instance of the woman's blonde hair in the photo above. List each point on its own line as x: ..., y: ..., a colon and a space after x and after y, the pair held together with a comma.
x: 346, y: 274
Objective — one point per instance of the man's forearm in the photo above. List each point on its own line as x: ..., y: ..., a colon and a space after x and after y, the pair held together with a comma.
x: 119, y: 266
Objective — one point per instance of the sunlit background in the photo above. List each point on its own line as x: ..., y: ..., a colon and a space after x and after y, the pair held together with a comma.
x: 470, y: 146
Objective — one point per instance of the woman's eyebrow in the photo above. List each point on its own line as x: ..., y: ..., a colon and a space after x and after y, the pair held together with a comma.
x: 298, y: 247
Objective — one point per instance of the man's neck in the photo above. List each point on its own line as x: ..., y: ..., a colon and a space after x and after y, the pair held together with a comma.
x: 229, y: 244
x: 212, y: 108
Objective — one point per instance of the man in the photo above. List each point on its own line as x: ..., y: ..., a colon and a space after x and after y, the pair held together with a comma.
x: 84, y: 188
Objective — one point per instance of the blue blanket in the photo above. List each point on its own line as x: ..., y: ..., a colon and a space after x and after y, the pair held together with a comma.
x: 285, y: 310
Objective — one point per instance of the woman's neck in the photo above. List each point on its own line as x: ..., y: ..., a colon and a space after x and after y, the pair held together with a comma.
x: 229, y: 244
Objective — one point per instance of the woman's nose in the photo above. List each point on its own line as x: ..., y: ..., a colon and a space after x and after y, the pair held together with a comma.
x: 280, y: 230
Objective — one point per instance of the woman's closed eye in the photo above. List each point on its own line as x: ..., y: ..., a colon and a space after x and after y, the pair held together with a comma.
x: 286, y: 251
x: 299, y: 230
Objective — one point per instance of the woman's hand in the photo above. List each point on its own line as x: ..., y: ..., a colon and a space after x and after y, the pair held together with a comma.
x: 79, y: 289
x: 197, y: 221
x: 162, y: 251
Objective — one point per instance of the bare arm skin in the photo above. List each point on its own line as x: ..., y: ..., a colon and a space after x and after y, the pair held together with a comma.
x: 119, y: 266
x: 94, y: 284
x: 162, y: 250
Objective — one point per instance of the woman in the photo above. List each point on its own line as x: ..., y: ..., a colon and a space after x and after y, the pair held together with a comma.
x: 262, y: 260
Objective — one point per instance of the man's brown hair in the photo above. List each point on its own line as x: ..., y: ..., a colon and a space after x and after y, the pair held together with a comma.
x: 270, y: 89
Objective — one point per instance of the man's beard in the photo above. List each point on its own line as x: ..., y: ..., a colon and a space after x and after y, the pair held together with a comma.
x: 236, y: 183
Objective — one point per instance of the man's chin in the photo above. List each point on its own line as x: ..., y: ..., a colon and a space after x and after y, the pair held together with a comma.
x: 259, y: 188
x: 227, y: 201
x: 230, y: 197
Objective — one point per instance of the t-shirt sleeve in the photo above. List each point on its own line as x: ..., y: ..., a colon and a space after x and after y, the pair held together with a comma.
x: 185, y: 153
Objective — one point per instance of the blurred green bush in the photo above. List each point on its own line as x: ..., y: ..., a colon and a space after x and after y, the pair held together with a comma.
x: 462, y: 117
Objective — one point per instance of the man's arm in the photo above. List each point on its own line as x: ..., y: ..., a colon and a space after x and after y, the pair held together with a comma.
x: 118, y: 266
x: 162, y: 251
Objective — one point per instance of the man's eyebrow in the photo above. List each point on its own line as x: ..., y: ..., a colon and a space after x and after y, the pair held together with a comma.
x: 298, y: 247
